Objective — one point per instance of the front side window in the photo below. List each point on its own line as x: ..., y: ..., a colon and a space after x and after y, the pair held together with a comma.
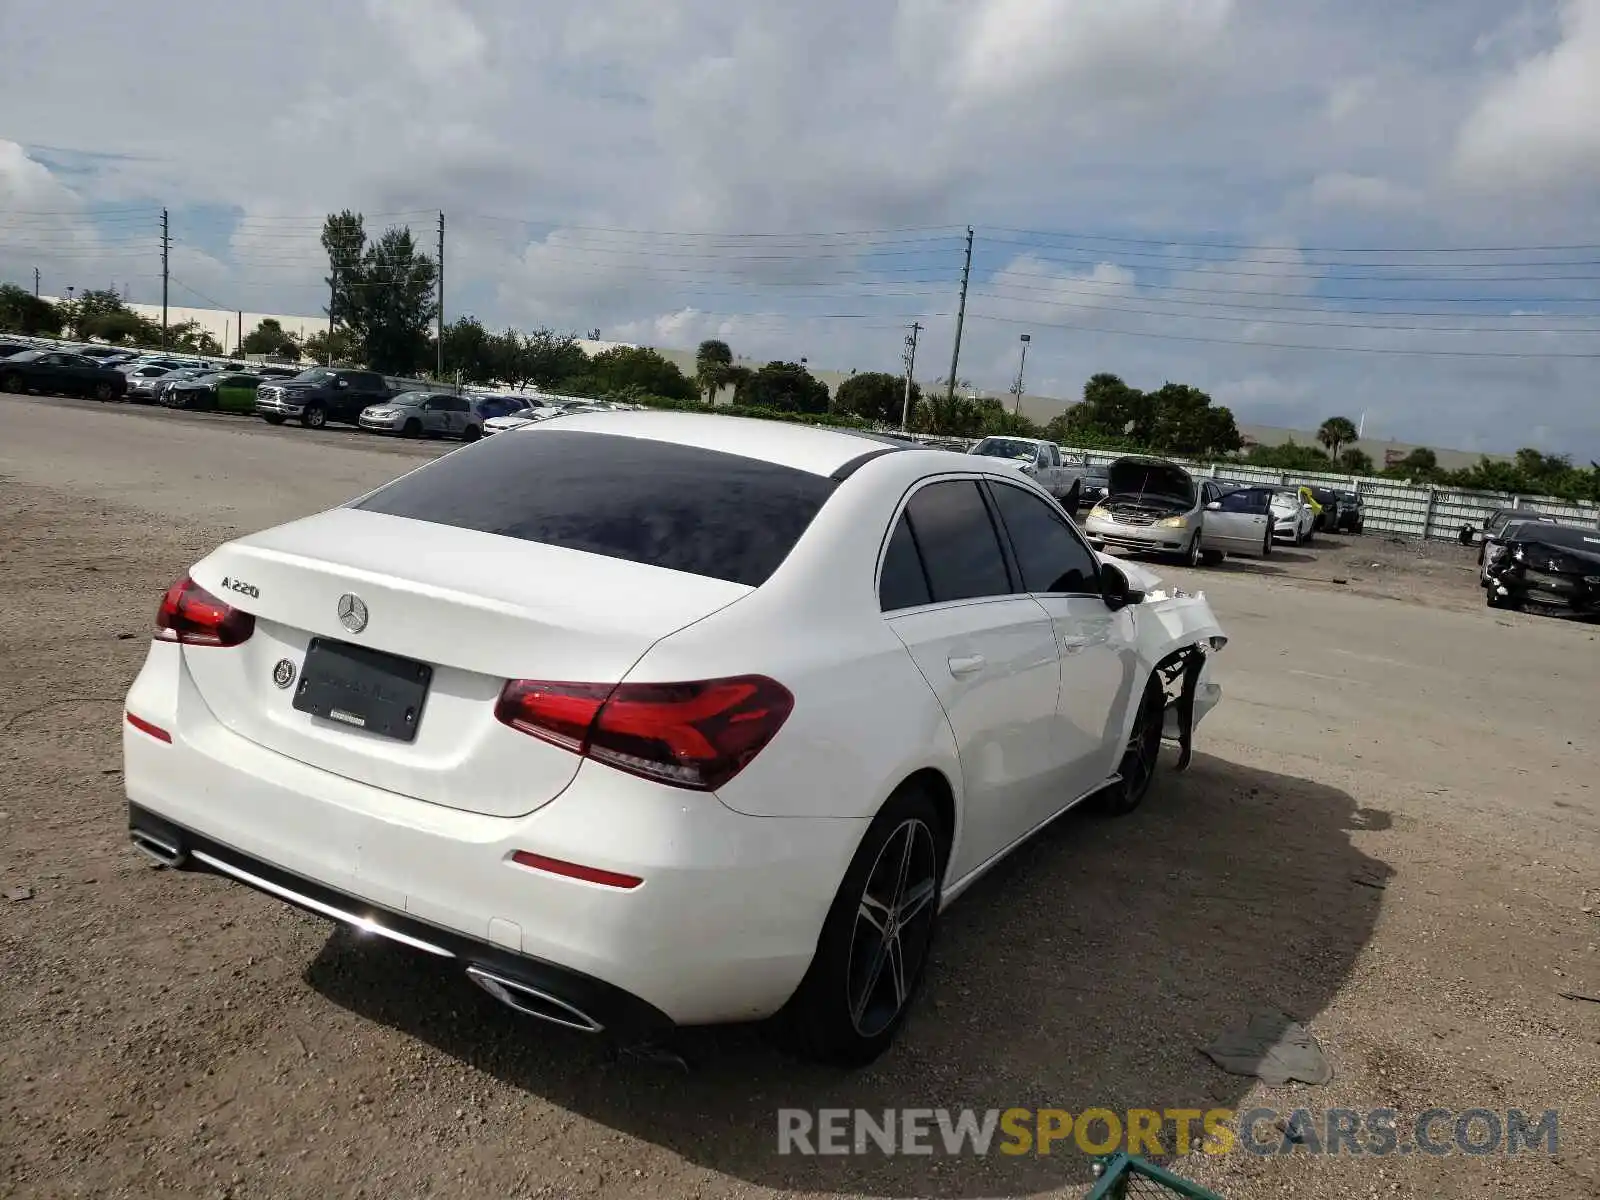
x: 1051, y: 556
x: 1247, y: 500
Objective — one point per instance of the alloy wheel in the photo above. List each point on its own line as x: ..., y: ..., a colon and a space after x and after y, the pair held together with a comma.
x: 893, y: 926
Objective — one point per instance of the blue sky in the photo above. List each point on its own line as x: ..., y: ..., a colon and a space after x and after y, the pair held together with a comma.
x: 1167, y: 189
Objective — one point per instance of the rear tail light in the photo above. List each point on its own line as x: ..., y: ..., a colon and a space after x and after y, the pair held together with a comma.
x: 192, y: 616
x: 690, y: 735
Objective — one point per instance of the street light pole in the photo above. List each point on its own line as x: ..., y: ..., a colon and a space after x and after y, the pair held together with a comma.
x: 1021, y: 366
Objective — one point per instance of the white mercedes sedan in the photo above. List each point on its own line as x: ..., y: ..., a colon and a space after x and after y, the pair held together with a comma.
x: 653, y: 719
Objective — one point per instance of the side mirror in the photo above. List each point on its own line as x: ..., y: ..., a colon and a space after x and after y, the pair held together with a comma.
x: 344, y: 383
x: 1214, y: 506
x: 1115, y: 589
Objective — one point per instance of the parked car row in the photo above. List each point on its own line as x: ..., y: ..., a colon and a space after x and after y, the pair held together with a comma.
x: 1156, y: 506
x: 313, y: 397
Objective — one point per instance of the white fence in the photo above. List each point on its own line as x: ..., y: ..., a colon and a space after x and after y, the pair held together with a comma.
x: 1391, y: 506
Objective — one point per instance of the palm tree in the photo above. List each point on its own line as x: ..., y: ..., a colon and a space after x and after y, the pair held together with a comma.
x: 1336, y: 432
x: 713, y: 362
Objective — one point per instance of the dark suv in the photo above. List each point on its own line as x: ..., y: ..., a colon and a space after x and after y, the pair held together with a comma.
x: 320, y: 395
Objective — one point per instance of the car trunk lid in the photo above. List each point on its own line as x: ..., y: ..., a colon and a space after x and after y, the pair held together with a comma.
x: 474, y: 608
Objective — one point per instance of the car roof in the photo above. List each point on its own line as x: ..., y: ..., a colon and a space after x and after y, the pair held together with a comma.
x: 819, y: 450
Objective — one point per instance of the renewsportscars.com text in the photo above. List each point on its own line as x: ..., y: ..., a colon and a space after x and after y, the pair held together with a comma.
x: 1147, y: 1131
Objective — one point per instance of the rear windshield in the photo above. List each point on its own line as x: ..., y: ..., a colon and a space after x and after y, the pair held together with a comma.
x: 664, y: 505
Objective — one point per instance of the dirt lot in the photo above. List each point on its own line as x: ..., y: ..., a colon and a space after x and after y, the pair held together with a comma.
x: 1391, y: 831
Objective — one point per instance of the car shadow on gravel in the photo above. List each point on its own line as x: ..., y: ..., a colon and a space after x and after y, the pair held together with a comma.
x: 1085, y: 971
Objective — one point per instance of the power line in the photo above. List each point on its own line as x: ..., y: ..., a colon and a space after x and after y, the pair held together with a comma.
x: 1102, y: 287
x: 1252, y: 320
x: 1094, y: 237
x: 1209, y: 267
x: 1178, y: 337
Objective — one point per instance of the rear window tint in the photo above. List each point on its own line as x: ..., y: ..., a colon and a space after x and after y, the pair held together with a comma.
x: 680, y: 507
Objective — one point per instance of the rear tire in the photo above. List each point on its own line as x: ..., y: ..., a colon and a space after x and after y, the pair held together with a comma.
x: 471, y: 433
x: 1266, y: 545
x: 875, y: 942
x: 102, y: 392
x: 1073, y: 501
x: 1140, y: 756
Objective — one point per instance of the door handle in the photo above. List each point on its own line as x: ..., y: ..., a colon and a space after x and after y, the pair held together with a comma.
x: 966, y: 665
x: 1071, y: 645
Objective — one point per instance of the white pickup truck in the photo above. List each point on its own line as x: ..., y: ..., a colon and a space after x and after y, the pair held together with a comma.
x: 1042, y: 461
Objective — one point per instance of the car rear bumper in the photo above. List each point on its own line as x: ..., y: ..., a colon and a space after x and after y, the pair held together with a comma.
x: 722, y: 928
x: 546, y: 990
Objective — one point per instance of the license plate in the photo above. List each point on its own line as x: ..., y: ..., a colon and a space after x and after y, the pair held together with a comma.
x: 364, y: 689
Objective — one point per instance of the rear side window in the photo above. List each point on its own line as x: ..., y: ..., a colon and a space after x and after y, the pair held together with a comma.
x: 664, y: 505
x: 903, y: 583
x: 959, y: 546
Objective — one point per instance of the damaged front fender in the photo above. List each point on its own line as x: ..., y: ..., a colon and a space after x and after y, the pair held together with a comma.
x: 1176, y: 635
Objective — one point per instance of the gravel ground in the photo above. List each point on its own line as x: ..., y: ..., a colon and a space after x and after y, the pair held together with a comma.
x: 1390, y: 831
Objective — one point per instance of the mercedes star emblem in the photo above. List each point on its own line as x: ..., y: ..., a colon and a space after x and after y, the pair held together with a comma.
x: 352, y: 613
x: 283, y: 673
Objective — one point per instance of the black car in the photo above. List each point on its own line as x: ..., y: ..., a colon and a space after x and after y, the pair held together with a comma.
x: 1495, y: 524
x: 1545, y: 567
x: 1352, y: 516
x: 7, y: 349
x: 322, y: 394
x: 55, y: 372
x: 1328, y: 519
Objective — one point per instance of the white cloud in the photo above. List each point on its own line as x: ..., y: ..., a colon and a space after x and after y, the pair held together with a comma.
x: 1255, y: 128
x: 1539, y: 126
x: 1344, y: 189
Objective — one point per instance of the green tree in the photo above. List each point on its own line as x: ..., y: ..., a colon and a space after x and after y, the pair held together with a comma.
x: 1110, y: 408
x: 1336, y: 432
x: 875, y: 395
x: 786, y: 387
x: 1182, y: 420
x: 712, y: 362
x: 23, y: 312
x: 270, y: 338
x: 344, y: 238
x: 551, y: 357
x: 1356, y: 462
x: 90, y: 306
x: 120, y: 327
x: 338, y: 346
x: 467, y: 350
x: 1290, y: 456
x: 395, y: 303
x: 627, y: 370
x: 1421, y: 463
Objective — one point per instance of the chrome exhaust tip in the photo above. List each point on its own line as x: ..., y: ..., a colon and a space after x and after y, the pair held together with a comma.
x: 163, y: 852
x: 531, y: 1002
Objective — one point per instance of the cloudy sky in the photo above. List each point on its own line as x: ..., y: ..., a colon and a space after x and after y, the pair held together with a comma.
x: 1307, y: 207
